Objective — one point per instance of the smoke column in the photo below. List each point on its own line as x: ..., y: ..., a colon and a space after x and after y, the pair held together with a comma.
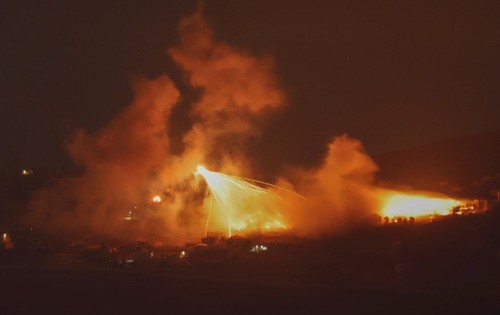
x: 239, y: 92
x: 128, y: 160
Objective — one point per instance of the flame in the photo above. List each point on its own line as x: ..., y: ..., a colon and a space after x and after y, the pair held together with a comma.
x: 240, y: 205
x: 131, y: 159
x: 156, y: 199
x: 395, y: 204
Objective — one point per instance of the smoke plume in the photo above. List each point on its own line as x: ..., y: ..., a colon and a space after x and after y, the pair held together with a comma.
x: 339, y: 193
x: 133, y: 186
x: 239, y: 92
x: 128, y: 161
x: 120, y: 162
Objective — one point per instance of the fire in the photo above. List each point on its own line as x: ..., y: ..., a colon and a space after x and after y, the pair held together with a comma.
x: 131, y: 156
x: 399, y: 204
x: 156, y: 199
x: 241, y: 205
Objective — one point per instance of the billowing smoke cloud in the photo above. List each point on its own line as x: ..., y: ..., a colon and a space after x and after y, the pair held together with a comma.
x: 239, y: 91
x: 128, y: 161
x: 120, y: 163
x: 339, y: 193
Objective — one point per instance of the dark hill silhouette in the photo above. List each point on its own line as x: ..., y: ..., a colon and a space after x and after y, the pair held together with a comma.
x: 464, y: 166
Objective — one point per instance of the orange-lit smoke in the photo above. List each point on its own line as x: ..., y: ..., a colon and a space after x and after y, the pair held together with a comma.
x: 342, y: 193
x: 133, y: 186
x: 129, y: 160
x: 120, y: 162
x: 339, y: 193
x: 239, y: 91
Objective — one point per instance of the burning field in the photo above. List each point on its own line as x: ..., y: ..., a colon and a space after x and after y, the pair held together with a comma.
x: 135, y: 186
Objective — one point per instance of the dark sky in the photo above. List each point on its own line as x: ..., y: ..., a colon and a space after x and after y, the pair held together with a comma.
x: 394, y: 74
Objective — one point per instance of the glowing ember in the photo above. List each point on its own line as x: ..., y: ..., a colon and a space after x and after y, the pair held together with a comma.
x: 245, y: 206
x: 406, y: 205
x: 129, y: 217
x: 26, y: 172
x: 157, y: 199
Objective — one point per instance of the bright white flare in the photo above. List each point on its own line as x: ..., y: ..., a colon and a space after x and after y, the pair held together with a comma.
x: 157, y: 199
x: 244, y: 205
x: 200, y: 169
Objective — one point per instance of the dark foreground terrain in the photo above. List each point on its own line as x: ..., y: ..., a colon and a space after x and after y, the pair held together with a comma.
x: 450, y: 266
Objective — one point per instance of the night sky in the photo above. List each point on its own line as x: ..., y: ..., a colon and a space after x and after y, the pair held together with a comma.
x: 394, y: 74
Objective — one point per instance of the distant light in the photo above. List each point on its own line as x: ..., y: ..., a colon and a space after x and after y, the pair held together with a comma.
x: 182, y: 254
x: 26, y: 172
x: 258, y: 248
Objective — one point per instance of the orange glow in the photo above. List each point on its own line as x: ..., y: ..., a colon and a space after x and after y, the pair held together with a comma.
x: 415, y: 205
x: 131, y: 159
x: 239, y: 205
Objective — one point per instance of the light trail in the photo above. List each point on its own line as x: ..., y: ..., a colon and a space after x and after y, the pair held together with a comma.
x: 209, y: 211
x: 271, y: 185
x: 244, y: 204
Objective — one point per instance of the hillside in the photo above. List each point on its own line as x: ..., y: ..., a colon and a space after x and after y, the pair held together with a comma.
x: 463, y: 166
